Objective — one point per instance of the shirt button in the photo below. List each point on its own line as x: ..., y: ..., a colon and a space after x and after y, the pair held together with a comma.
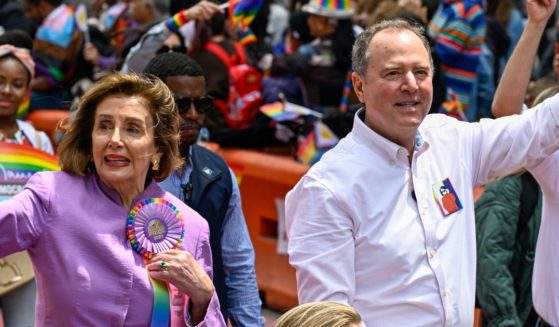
x: 432, y: 253
x: 400, y: 151
x: 392, y: 162
x: 445, y: 293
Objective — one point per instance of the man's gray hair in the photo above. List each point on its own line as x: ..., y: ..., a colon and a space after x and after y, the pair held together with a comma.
x: 360, y: 56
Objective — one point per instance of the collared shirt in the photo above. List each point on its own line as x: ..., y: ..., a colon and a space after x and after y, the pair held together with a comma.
x: 367, y: 229
x: 87, y: 274
x: 244, y: 305
x: 545, y: 280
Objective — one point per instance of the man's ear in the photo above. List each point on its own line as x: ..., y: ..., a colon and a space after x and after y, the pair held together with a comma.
x: 357, y: 82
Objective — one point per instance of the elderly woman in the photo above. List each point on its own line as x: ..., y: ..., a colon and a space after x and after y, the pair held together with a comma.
x: 91, y: 269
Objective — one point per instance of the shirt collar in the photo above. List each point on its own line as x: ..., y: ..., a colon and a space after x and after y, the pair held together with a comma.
x: 152, y: 190
x: 365, y: 135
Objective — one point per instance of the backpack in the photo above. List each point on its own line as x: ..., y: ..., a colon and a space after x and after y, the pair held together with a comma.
x: 528, y: 201
x: 245, y: 81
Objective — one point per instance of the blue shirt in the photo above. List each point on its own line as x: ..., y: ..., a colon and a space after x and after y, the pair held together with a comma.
x: 243, y: 300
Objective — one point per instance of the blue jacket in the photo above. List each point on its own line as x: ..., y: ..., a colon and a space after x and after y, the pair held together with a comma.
x: 211, y: 181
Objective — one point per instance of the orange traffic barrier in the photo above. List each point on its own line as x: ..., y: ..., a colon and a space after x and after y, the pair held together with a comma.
x: 263, y: 180
x: 478, y: 318
x: 478, y: 191
x: 49, y: 121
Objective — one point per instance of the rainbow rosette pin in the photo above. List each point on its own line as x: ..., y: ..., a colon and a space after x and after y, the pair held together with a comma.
x: 155, y: 225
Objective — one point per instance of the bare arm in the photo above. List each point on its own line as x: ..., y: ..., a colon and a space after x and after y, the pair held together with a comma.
x: 509, y: 95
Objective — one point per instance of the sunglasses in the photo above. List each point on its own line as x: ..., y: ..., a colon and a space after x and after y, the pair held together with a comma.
x: 173, y: 48
x: 202, y: 104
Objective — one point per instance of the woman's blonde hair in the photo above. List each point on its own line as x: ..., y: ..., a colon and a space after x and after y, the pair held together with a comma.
x: 546, y: 93
x: 320, y: 314
x: 75, y: 150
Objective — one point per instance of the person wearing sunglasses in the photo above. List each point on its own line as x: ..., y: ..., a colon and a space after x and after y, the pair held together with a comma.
x: 208, y: 185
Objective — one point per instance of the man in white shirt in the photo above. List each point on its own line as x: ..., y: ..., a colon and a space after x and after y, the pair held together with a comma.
x: 369, y: 226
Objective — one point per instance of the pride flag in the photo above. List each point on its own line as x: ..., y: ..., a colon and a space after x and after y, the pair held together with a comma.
x: 58, y: 27
x: 308, y: 152
x: 18, y: 163
x: 243, y: 11
x: 23, y: 108
x: 325, y: 138
x: 246, y: 36
x: 275, y: 111
x: 453, y: 106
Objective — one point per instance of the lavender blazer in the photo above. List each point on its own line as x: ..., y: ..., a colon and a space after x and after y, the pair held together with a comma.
x: 87, y: 274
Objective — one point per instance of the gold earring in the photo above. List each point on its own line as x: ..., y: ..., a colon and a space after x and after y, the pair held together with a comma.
x: 155, y: 165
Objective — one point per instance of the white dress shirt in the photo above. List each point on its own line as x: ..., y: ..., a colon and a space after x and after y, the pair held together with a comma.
x: 358, y: 236
x: 545, y: 280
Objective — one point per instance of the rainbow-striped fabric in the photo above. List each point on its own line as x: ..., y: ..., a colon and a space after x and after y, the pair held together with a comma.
x: 242, y: 12
x: 458, y: 28
x: 18, y: 163
x: 276, y: 111
x: 57, y: 44
x: 334, y: 4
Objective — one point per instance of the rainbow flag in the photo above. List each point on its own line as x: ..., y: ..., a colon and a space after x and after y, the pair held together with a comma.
x: 18, y: 163
x: 243, y: 11
x: 23, y: 108
x: 308, y: 152
x: 453, y: 107
x: 275, y: 111
x: 325, y: 138
x: 246, y: 36
x: 113, y: 14
x: 58, y: 27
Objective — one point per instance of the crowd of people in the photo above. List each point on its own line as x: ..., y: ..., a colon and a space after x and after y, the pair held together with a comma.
x: 417, y: 91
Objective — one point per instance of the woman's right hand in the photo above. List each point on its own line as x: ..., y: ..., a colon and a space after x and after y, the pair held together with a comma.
x: 203, y: 10
x: 183, y: 271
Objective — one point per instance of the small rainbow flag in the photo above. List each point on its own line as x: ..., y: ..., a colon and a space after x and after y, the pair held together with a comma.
x: 23, y: 108
x: 344, y: 104
x: 113, y: 14
x: 18, y: 163
x: 58, y: 27
x: 243, y: 11
x: 325, y: 138
x: 453, y: 107
x: 275, y: 110
x: 81, y: 20
x: 246, y: 36
x: 308, y: 152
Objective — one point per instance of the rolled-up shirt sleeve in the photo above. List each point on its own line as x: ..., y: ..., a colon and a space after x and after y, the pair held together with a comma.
x: 508, y: 144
